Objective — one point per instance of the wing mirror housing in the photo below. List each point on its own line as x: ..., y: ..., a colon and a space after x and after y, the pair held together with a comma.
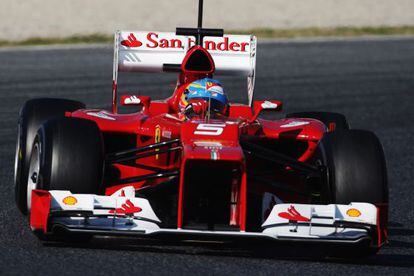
x: 133, y: 100
x: 267, y: 105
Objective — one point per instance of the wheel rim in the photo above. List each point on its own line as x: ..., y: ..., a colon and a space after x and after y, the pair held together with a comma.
x: 33, y: 176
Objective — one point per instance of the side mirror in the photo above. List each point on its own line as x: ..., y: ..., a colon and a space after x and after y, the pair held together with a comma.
x: 268, y: 105
x: 128, y: 100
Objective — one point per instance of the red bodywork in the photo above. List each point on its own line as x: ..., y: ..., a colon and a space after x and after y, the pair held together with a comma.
x: 215, y: 140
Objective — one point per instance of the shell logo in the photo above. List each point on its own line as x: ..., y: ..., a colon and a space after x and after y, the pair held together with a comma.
x: 353, y: 213
x: 70, y: 200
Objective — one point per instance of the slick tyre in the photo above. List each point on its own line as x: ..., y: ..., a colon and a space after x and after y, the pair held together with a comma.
x: 32, y: 115
x: 356, y: 173
x: 333, y: 121
x: 67, y: 154
x: 356, y: 167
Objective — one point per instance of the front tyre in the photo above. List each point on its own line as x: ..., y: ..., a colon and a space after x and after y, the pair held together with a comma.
x: 67, y: 154
x: 357, y: 173
x: 33, y: 113
x: 356, y: 164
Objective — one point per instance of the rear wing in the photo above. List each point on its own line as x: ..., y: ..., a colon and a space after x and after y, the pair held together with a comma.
x: 148, y: 52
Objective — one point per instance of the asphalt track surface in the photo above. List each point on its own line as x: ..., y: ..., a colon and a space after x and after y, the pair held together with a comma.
x: 370, y: 81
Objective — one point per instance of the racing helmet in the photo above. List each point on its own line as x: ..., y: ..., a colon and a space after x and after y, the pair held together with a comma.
x: 211, y: 91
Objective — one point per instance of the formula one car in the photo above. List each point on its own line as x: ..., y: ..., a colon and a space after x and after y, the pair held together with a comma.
x: 195, y: 165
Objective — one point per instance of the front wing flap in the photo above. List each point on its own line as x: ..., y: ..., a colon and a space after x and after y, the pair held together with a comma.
x: 123, y: 213
x: 330, y: 222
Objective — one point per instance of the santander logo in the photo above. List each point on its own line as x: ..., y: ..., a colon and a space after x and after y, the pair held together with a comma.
x: 131, y: 42
x: 154, y: 41
x: 293, y: 215
x: 128, y: 208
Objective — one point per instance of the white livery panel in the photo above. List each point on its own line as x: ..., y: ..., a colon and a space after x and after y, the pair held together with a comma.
x: 140, y: 51
x: 320, y: 221
x: 124, y: 213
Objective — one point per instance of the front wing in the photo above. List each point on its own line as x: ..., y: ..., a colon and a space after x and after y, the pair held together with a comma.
x: 124, y: 214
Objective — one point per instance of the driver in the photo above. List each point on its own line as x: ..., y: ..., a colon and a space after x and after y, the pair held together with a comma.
x: 205, y: 96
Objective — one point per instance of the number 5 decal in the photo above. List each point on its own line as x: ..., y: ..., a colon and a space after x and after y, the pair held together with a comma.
x: 210, y: 129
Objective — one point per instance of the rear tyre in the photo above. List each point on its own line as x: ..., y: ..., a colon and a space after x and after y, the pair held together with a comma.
x: 333, y: 121
x: 356, y: 173
x: 32, y: 115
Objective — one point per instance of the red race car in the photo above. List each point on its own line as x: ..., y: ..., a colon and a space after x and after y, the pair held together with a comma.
x: 194, y: 164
